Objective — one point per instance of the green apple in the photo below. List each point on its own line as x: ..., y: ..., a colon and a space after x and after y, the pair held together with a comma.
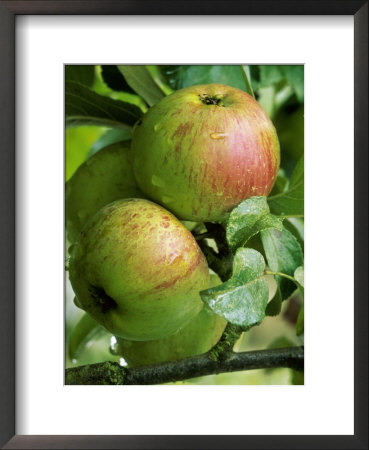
x: 199, y: 336
x: 138, y: 271
x: 104, y: 177
x: 202, y: 150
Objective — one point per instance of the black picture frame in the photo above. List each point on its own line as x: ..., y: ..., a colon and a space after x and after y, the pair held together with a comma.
x: 8, y: 12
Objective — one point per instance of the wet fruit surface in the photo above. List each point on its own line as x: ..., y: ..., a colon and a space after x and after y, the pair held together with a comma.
x: 137, y: 270
x: 202, y: 150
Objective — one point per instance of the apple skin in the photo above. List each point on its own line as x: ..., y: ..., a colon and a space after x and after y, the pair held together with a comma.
x: 138, y: 271
x: 202, y: 150
x: 104, y: 177
x: 198, y: 337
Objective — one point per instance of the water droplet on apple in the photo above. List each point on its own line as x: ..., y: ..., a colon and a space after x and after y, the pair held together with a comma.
x: 220, y: 193
x: 114, y: 347
x: 123, y: 362
x: 157, y: 181
x: 157, y: 127
x: 171, y: 257
x: 218, y: 135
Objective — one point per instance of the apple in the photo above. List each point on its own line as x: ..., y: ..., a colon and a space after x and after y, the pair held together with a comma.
x: 138, y: 271
x: 198, y: 337
x: 202, y: 150
x: 104, y: 177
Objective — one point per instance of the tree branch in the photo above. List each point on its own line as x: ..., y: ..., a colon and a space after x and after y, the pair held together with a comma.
x: 219, y: 235
x: 220, y: 262
x: 225, y: 345
x: 222, y: 267
x: 112, y: 373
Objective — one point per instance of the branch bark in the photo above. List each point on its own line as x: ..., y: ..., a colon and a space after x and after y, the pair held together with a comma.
x: 112, y: 373
x: 226, y: 343
x: 221, y: 265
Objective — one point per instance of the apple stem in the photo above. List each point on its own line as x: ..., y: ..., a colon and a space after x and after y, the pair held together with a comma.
x: 222, y: 266
x: 206, y: 235
x: 210, y: 100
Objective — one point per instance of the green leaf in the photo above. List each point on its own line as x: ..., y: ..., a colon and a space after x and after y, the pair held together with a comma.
x: 274, y: 306
x: 255, y: 243
x: 297, y: 377
x: 299, y: 277
x: 291, y: 201
x: 179, y: 77
x: 78, y: 142
x: 111, y: 136
x: 289, y: 123
x: 247, y: 76
x: 141, y: 81
x: 249, y: 218
x: 255, y: 76
x: 300, y: 321
x: 280, y: 184
x: 85, y: 107
x: 296, y: 227
x: 85, y: 331
x: 295, y: 78
x: 114, y: 79
x: 266, y: 100
x: 159, y: 79
x: 83, y: 74
x: 298, y: 174
x: 281, y: 342
x: 292, y: 75
x: 270, y: 75
x: 284, y: 255
x: 243, y: 298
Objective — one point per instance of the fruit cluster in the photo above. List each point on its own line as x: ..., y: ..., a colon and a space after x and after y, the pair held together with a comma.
x: 134, y: 266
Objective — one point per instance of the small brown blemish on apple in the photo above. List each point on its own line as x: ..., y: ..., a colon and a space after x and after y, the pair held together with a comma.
x: 183, y: 129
